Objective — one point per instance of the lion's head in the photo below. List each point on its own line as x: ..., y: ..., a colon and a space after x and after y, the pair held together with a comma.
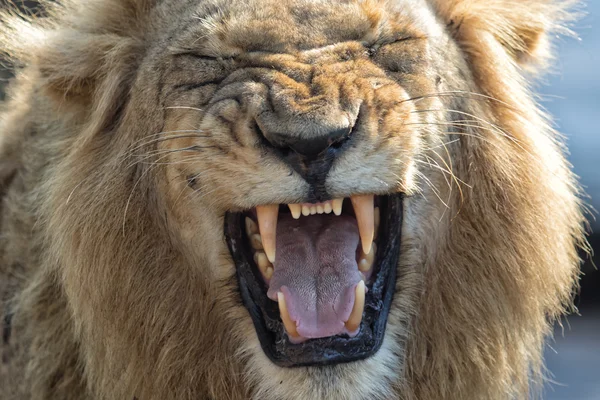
x: 297, y: 199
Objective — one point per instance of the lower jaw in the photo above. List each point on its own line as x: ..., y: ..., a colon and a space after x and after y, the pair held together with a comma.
x: 330, y: 350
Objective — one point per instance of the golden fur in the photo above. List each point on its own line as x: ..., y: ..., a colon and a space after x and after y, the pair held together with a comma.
x: 115, y: 279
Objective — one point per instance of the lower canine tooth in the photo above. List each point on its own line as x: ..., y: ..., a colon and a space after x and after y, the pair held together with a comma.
x: 290, y: 325
x: 355, y: 318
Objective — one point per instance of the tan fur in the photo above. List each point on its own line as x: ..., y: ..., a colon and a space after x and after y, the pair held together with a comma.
x: 114, y: 273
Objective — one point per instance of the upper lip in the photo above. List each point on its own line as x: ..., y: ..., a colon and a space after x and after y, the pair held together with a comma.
x: 266, y: 313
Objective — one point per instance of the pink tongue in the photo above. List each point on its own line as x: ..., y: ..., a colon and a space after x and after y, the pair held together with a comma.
x: 316, y: 270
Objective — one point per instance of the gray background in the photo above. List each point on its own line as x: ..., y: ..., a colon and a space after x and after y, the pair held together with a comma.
x: 572, y: 95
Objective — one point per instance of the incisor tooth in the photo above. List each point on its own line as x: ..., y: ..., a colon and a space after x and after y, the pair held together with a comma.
x: 313, y: 210
x: 256, y: 242
x: 320, y: 209
x: 328, y: 208
x: 251, y: 227
x: 296, y: 210
x: 290, y: 326
x: 363, y: 209
x: 267, y: 225
x: 306, y: 211
x: 337, y: 206
x: 353, y: 322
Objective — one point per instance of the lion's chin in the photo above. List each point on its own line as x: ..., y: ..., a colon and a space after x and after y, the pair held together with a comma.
x: 316, y: 289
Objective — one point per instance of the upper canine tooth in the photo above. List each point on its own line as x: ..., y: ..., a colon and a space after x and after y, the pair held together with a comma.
x: 363, y: 209
x: 251, y: 227
x: 267, y: 224
x: 290, y: 325
x: 337, y: 206
x: 355, y: 318
x: 296, y: 210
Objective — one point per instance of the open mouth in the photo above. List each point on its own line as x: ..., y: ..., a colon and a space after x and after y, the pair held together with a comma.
x: 318, y: 279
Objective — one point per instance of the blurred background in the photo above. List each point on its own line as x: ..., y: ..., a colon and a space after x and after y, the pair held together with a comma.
x: 572, y: 95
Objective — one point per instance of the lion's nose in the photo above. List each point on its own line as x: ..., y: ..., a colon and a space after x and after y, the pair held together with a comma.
x: 308, y: 153
x: 312, y: 147
x: 309, y: 146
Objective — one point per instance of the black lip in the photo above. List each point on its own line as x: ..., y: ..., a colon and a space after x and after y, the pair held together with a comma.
x: 332, y: 350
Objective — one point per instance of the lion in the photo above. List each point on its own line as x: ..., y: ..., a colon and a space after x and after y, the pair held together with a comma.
x: 282, y: 199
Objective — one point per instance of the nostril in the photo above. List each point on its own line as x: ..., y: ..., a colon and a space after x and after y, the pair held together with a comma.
x: 313, y: 146
x: 308, y: 145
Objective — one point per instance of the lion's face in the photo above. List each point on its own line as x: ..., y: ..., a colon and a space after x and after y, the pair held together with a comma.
x: 305, y: 199
x: 305, y: 139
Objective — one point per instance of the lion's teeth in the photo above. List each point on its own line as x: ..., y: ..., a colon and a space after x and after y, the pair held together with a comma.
x: 251, y: 227
x: 327, y: 208
x: 313, y: 210
x: 366, y: 260
x: 364, y: 211
x: 306, y: 211
x: 337, y: 206
x: 267, y: 225
x: 320, y: 209
x: 296, y: 210
x: 288, y: 323
x: 263, y: 264
x: 256, y: 242
x: 355, y: 318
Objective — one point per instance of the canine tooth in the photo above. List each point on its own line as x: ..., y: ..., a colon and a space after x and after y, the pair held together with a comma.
x: 256, y: 242
x: 320, y: 209
x: 353, y: 322
x: 328, y: 208
x: 290, y: 326
x: 306, y: 211
x: 364, y: 210
x: 251, y: 227
x: 267, y: 225
x: 296, y: 210
x: 337, y: 206
x: 376, y: 220
x: 313, y: 210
